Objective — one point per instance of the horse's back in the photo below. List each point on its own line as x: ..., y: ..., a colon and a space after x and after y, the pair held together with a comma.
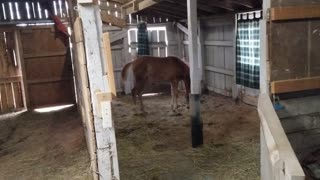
x: 159, y: 68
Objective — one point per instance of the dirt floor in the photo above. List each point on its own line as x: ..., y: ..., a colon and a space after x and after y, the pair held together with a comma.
x: 157, y: 146
x: 43, y: 146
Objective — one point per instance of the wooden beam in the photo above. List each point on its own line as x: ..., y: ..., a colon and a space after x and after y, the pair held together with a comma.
x: 108, y: 167
x: 219, y: 43
x: 244, y: 3
x: 293, y: 85
x: 220, y: 70
x: 118, y: 36
x: 219, y: 4
x: 276, y: 149
x: 182, y: 28
x: 45, y: 54
x: 20, y: 58
x: 108, y: 65
x: 48, y: 80
x: 106, y: 18
x: 137, y: 5
x: 195, y: 75
x: 165, y: 12
x: 10, y: 79
x: 291, y: 13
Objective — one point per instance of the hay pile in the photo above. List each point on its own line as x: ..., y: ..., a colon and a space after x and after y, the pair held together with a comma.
x: 158, y: 147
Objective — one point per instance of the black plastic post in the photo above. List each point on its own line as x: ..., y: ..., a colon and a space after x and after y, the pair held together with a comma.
x: 196, y: 122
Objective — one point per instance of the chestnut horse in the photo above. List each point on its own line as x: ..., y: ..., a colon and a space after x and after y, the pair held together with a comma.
x: 148, y: 69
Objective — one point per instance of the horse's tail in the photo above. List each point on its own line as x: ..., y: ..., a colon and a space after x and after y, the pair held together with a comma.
x: 124, y: 71
x: 127, y: 77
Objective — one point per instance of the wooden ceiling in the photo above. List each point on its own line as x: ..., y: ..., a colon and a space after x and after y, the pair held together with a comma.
x: 174, y: 10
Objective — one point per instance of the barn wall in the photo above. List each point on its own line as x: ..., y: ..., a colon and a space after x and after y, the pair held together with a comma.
x: 11, y: 86
x: 218, y: 54
x: 294, y: 45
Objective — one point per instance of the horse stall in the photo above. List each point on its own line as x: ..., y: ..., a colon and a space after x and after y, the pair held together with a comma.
x: 289, y: 104
x: 158, y: 144
x: 37, y: 140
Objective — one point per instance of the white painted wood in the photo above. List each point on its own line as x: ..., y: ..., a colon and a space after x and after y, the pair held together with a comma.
x: 118, y: 36
x: 134, y: 6
x: 220, y: 70
x: 219, y: 55
x: 182, y: 28
x: 105, y: 137
x: 195, y: 65
x: 278, y: 158
x: 201, y: 53
x: 219, y: 43
x: 264, y: 59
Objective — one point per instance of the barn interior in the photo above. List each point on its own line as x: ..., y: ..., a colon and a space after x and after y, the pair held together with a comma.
x: 66, y: 114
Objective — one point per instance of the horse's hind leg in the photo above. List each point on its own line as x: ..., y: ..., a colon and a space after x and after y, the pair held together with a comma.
x: 174, y: 95
x: 139, y: 90
x: 133, y: 94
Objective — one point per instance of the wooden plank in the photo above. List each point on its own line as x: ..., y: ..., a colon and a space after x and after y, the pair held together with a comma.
x: 21, y: 60
x: 219, y: 43
x: 278, y: 147
x: 137, y: 5
x: 106, y: 18
x: 18, y: 95
x: 48, y: 80
x: 48, y: 94
x: 108, y: 65
x: 4, y: 102
x: 10, y: 79
x: 297, y: 12
x: 78, y: 33
x: 48, y: 67
x: 10, y: 98
x: 195, y: 75
x: 292, y: 85
x: 220, y: 70
x: 118, y: 36
x: 182, y: 28
x: 92, y: 28
x: 45, y: 54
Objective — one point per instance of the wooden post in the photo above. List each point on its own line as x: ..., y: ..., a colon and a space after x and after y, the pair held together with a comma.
x: 201, y: 56
x: 99, y: 89
x: 21, y: 64
x: 195, y: 75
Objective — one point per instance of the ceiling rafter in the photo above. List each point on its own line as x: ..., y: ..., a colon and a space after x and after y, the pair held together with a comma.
x: 245, y: 3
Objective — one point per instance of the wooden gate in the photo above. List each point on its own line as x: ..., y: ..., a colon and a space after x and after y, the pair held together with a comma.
x: 11, y: 98
x: 48, y: 70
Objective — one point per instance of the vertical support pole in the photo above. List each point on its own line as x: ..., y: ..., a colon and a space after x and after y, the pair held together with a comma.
x: 99, y: 89
x: 21, y: 64
x: 195, y: 75
x: 264, y: 50
x: 201, y: 55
